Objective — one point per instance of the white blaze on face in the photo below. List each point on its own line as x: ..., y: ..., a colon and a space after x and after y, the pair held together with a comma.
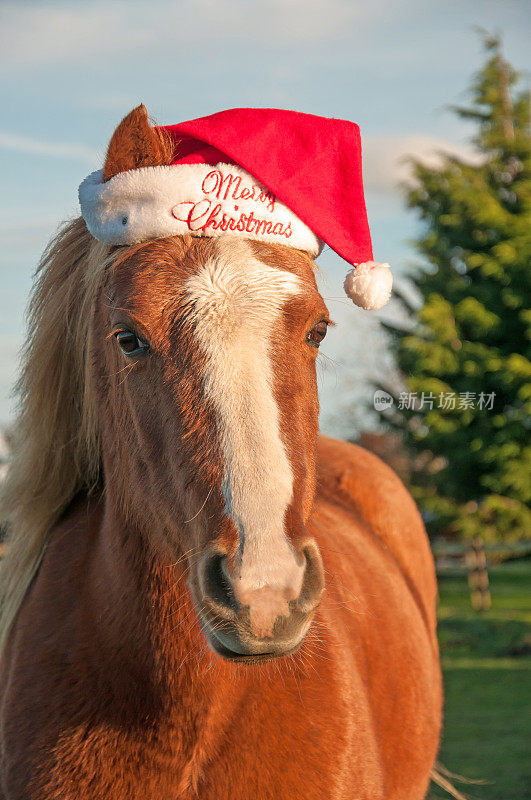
x: 237, y: 302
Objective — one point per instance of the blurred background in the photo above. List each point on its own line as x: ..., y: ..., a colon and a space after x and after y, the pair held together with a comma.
x: 437, y: 383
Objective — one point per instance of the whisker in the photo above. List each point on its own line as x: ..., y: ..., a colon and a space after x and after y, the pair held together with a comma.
x: 202, y: 507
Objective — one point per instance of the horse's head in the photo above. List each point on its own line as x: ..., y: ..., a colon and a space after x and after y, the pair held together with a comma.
x: 204, y: 351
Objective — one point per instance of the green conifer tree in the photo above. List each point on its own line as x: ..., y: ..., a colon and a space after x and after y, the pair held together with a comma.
x: 467, y: 355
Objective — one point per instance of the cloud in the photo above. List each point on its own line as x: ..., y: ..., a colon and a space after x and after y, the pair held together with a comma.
x: 35, y: 34
x: 288, y: 21
x: 37, y: 147
x: 25, y: 237
x: 385, y: 162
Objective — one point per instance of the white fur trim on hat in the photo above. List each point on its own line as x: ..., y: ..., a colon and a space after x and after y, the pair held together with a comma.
x: 204, y: 200
x: 369, y: 285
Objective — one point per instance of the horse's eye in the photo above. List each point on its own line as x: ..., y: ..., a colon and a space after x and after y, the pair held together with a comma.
x: 130, y: 344
x: 317, y: 334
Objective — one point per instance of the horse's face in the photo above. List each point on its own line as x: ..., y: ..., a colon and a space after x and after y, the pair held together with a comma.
x: 206, y: 356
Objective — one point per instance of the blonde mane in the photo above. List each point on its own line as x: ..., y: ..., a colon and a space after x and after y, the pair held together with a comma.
x: 56, y: 450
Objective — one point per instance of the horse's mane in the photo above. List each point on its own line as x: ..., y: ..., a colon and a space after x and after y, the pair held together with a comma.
x: 56, y: 451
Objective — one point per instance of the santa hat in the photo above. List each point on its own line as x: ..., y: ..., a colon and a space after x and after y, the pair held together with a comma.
x: 268, y: 174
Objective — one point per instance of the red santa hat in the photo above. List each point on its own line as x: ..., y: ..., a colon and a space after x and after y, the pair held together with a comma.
x: 268, y: 174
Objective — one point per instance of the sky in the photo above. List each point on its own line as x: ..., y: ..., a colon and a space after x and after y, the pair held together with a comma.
x: 70, y: 71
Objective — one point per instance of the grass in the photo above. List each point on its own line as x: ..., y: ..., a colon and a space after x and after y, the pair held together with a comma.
x: 486, y: 660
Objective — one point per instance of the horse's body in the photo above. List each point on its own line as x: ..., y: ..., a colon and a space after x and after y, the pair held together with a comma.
x: 177, y: 639
x: 123, y: 700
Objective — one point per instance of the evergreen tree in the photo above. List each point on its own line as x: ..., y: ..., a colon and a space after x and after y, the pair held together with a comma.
x: 467, y: 355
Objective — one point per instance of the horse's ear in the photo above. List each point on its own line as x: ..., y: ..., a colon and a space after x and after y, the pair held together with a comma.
x: 136, y: 144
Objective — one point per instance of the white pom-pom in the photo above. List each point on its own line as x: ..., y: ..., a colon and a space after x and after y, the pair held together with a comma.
x: 369, y: 285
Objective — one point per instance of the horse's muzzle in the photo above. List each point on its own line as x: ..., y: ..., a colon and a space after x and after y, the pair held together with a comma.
x: 249, y: 624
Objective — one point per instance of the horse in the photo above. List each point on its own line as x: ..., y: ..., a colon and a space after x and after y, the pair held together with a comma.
x: 202, y: 597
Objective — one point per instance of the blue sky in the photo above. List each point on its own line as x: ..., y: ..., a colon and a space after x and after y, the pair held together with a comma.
x: 70, y: 71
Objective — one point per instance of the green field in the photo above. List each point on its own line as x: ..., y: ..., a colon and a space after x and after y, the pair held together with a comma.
x: 486, y: 660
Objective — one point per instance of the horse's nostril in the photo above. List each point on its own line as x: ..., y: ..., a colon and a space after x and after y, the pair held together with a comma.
x: 313, y: 584
x: 217, y: 585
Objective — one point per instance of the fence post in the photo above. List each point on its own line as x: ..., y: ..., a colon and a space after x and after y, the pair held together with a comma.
x: 478, y: 576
